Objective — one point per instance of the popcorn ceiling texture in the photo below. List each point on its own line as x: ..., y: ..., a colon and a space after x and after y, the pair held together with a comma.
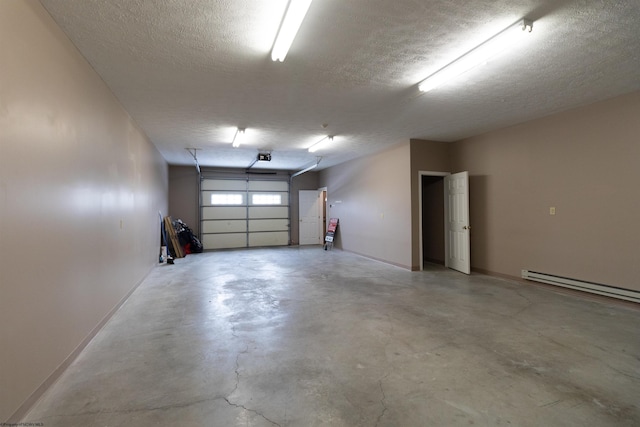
x: 190, y: 72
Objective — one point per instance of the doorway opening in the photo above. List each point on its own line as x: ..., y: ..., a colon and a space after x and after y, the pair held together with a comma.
x: 432, y: 220
x: 444, y: 230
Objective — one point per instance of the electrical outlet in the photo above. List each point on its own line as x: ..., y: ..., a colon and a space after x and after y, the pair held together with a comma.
x: 552, y: 210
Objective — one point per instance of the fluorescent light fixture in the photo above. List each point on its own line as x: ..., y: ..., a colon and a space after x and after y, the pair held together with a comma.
x: 478, y: 55
x: 300, y: 172
x: 238, y: 137
x: 293, y: 17
x: 304, y: 170
x: 321, y: 144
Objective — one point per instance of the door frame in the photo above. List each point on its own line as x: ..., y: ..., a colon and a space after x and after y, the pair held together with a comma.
x: 446, y: 208
x: 324, y: 224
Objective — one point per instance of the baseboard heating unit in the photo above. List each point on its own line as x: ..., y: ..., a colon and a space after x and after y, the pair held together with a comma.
x: 594, y: 288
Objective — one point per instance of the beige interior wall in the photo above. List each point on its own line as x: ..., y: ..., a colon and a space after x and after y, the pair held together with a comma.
x: 372, y: 198
x: 184, y: 199
x: 426, y: 156
x: 586, y: 164
x: 80, y: 192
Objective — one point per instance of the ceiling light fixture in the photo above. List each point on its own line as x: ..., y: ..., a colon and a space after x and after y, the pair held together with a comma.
x: 238, y: 137
x: 321, y: 144
x: 478, y: 55
x: 291, y: 22
x: 300, y: 172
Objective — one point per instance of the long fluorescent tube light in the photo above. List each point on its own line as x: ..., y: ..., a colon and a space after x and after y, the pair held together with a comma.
x: 320, y: 144
x: 304, y: 170
x: 478, y: 55
x: 293, y: 17
x: 300, y: 172
x: 238, y: 137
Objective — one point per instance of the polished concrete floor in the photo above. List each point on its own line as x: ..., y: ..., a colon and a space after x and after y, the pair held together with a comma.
x: 306, y: 337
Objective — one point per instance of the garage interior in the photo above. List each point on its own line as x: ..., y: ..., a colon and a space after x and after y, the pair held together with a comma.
x: 248, y: 337
x: 114, y: 114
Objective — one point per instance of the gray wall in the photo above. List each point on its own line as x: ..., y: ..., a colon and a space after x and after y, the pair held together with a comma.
x: 80, y: 191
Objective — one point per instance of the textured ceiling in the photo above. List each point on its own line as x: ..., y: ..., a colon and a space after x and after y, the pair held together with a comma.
x: 190, y: 72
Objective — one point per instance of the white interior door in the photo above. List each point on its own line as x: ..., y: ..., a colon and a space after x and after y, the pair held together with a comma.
x: 457, y: 228
x: 309, y: 213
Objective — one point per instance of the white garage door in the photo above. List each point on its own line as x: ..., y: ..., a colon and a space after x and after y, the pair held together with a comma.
x: 244, y: 213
